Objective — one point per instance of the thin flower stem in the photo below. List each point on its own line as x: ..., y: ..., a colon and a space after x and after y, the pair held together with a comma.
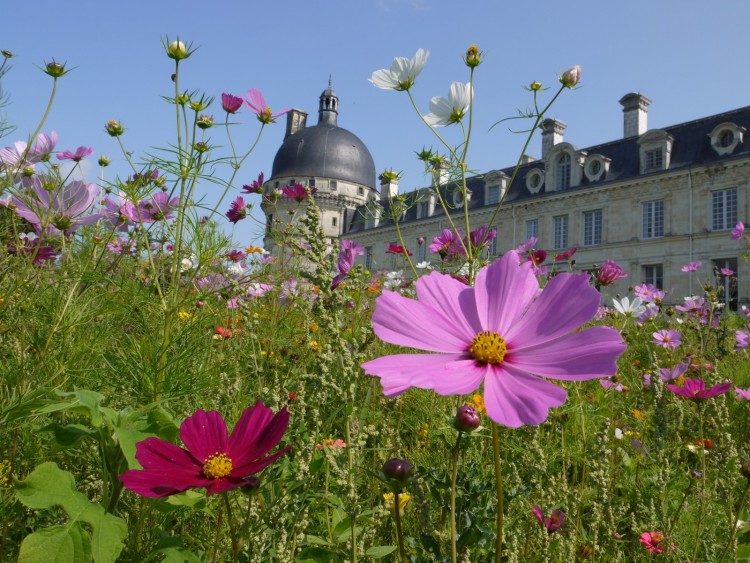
x: 702, y: 495
x: 399, y: 532
x: 219, y: 522
x: 736, y: 521
x: 454, y: 473
x: 232, y: 529
x: 499, y: 492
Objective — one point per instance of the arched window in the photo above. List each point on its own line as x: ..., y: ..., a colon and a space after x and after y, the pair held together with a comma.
x: 563, y: 172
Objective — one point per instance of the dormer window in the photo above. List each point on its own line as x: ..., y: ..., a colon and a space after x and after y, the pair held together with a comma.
x: 426, y: 205
x: 655, y: 150
x: 564, y: 168
x: 596, y: 167
x: 726, y: 137
x: 495, y: 184
x: 458, y: 198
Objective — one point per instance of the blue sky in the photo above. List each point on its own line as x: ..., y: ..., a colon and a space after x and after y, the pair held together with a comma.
x: 688, y: 56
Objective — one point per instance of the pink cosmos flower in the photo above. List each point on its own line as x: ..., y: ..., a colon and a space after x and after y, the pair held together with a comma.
x: 692, y: 266
x: 528, y: 245
x: 504, y: 332
x: 297, y: 192
x: 667, y: 338
x: 349, y: 251
x: 61, y: 210
x: 209, y: 459
x: 397, y: 249
x: 158, y: 208
x: 649, y: 293
x: 481, y: 235
x: 654, y: 542
x: 237, y: 210
x: 231, y: 103
x: 255, y: 187
x: 609, y: 273
x: 553, y: 522
x: 12, y: 158
x: 32, y: 245
x: 670, y: 374
x: 691, y: 304
x: 742, y: 393
x: 448, y: 244
x: 77, y: 156
x: 741, y: 340
x: 695, y: 389
x: 257, y: 103
x: 567, y: 255
x: 738, y: 231
x: 537, y: 257
x: 119, y: 212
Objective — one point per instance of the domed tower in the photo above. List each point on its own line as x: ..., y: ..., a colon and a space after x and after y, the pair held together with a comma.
x: 326, y: 157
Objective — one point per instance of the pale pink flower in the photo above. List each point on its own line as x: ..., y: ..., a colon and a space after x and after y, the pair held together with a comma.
x: 738, y: 231
x: 692, y: 266
x: 257, y: 103
x: 667, y: 338
x: 79, y: 154
x: 504, y: 333
x: 742, y: 393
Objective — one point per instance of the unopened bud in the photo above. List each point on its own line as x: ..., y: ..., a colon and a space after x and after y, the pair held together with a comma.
x: 104, y: 161
x: 398, y: 470
x: 182, y: 99
x: 467, y: 419
x: 7, y: 54
x: 177, y: 50
x: 571, y: 77
x: 473, y: 56
x: 55, y: 69
x: 535, y: 86
x: 114, y: 128
x: 205, y: 121
x: 200, y: 147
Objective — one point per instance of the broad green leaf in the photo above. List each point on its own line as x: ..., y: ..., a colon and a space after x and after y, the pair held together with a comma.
x: 78, y: 401
x: 49, y: 486
x: 177, y: 555
x: 380, y: 551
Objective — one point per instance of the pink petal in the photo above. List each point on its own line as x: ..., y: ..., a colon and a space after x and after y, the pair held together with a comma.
x: 408, y: 322
x: 582, y: 355
x: 237, y: 479
x: 454, y: 299
x: 204, y: 434
x: 255, y: 435
x: 567, y: 302
x: 503, y: 292
x: 445, y: 373
x: 256, y: 101
x: 514, y: 398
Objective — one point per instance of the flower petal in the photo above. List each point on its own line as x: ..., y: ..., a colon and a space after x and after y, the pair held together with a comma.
x: 408, y: 322
x: 452, y: 298
x: 447, y: 374
x: 582, y: 355
x: 204, y: 434
x: 514, y: 398
x: 503, y: 291
x: 546, y: 320
x: 256, y: 433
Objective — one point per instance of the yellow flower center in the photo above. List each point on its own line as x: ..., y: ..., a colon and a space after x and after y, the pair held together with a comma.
x: 217, y: 466
x: 488, y: 347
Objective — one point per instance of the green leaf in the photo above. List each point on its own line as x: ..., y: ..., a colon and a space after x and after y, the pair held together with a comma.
x: 380, y: 551
x: 69, y: 435
x: 49, y: 486
x: 177, y: 555
x: 78, y: 401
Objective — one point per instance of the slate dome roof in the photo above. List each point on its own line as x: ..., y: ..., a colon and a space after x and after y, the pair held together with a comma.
x: 325, y: 150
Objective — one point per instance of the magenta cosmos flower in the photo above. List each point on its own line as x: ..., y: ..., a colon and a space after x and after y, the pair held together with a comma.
x: 237, y: 210
x: 255, y: 187
x: 256, y: 102
x: 297, y: 192
x: 231, y: 103
x: 695, y: 389
x: 77, y: 156
x: 553, y: 522
x: 610, y: 272
x: 504, y: 332
x: 210, y: 458
x: 738, y: 231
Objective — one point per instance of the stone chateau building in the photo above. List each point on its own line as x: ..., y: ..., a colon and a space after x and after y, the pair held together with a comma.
x: 653, y: 200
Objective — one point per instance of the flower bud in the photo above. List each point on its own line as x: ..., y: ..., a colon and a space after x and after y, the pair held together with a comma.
x: 198, y: 105
x: 420, y: 240
x: 7, y: 54
x: 252, y: 484
x: 571, y: 77
x: 205, y: 121
x: 535, y: 86
x: 104, y: 161
x: 398, y: 470
x: 182, y: 99
x: 473, y: 56
x: 467, y: 419
x: 177, y: 50
x: 200, y: 147
x: 55, y: 69
x: 114, y: 128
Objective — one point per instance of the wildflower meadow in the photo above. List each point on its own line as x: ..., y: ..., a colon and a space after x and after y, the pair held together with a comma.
x: 171, y: 394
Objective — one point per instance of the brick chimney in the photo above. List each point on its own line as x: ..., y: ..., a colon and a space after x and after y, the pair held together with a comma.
x: 296, y: 120
x: 552, y: 134
x: 635, y: 113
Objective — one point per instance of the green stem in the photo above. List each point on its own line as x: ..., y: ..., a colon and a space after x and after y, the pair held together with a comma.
x: 454, y: 473
x: 219, y: 522
x: 701, y: 497
x: 399, y: 532
x: 736, y: 521
x: 499, y: 492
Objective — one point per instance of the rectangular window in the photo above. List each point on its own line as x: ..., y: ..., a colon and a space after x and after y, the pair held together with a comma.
x: 652, y: 213
x: 360, y: 190
x: 723, y: 209
x: 422, y: 251
x: 561, y: 232
x: 654, y: 159
x: 311, y: 182
x: 424, y: 209
x: 368, y: 257
x: 334, y: 221
x: 493, y: 195
x: 532, y: 228
x: 333, y: 185
x: 654, y: 275
x: 493, y: 246
x: 592, y: 227
x: 725, y: 270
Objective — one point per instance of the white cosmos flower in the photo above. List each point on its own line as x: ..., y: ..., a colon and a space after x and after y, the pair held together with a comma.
x: 423, y: 265
x: 451, y: 110
x: 402, y: 74
x: 629, y: 308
